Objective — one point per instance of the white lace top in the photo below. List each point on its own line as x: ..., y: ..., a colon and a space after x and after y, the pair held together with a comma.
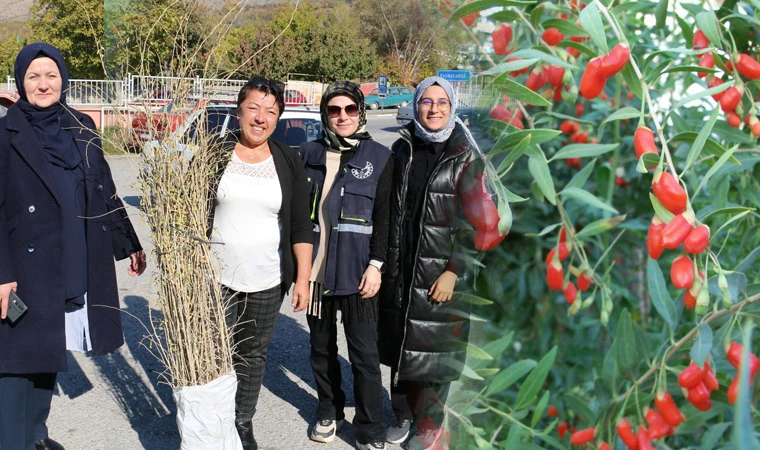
x: 247, y: 222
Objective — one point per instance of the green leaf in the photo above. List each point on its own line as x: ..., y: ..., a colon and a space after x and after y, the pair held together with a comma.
x: 591, y: 22
x: 744, y: 434
x: 580, y: 178
x: 718, y: 164
x: 481, y: 5
x: 660, y: 13
x: 509, y: 376
x: 539, y: 168
x: 583, y: 150
x: 515, y: 154
x: 708, y: 23
x: 704, y: 133
x: 588, y: 198
x: 520, y: 92
x: 510, y: 66
x: 497, y: 347
x: 472, y: 299
x: 658, y: 292
x: 565, y: 27
x: 487, y: 372
x: 535, y: 380
x: 580, y: 406
x: 537, y: 136
x: 689, y: 137
x: 514, y: 437
x: 547, y: 229
x: 713, y: 435
x: 505, y: 217
x: 699, y: 95
x: 702, y: 344
x: 630, y: 77
x: 540, y: 408
x: 661, y: 211
x: 717, y: 212
x: 627, y: 352
x: 543, y: 56
x: 623, y: 113
x: 477, y: 352
x: 599, y: 226
x: 507, y: 16
x: 747, y: 262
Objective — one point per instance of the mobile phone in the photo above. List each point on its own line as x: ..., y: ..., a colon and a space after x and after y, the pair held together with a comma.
x: 16, y: 308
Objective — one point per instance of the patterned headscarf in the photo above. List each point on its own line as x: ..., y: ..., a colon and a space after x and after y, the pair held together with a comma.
x: 352, y: 90
x: 419, y: 130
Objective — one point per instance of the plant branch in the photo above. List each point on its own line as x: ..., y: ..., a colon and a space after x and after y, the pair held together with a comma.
x: 709, y: 318
x: 644, y: 89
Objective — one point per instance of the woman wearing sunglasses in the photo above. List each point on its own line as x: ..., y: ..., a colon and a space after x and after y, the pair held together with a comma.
x: 349, y: 182
x: 260, y: 221
x: 421, y: 329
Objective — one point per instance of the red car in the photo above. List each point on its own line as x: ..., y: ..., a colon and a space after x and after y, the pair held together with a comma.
x: 167, y: 118
x: 7, y: 99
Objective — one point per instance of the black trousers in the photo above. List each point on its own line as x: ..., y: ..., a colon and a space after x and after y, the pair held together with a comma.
x: 361, y: 337
x: 24, y: 409
x: 413, y: 400
x: 251, y: 318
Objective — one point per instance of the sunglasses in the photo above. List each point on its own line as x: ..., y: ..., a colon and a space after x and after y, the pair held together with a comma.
x: 334, y: 111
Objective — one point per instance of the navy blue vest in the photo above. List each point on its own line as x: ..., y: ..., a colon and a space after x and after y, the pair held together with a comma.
x: 351, y: 201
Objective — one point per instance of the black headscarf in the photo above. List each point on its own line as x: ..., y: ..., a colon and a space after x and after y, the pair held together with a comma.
x: 352, y: 90
x: 66, y: 165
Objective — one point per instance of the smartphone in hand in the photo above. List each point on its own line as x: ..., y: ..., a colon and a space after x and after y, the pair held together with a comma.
x: 16, y: 308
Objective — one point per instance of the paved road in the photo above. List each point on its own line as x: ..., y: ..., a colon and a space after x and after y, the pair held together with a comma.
x: 117, y: 401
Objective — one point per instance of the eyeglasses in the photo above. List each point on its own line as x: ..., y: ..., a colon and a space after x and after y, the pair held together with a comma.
x: 334, y: 111
x: 443, y: 104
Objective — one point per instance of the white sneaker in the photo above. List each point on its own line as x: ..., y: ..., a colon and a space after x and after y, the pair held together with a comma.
x: 325, y: 430
x: 379, y: 445
x: 397, y: 434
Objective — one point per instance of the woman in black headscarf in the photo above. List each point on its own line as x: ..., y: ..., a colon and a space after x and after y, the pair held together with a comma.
x: 349, y: 176
x: 61, y: 226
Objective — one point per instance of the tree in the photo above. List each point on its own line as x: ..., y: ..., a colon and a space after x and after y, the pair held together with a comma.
x: 594, y: 306
x: 412, y: 37
x: 16, y: 36
x: 75, y: 27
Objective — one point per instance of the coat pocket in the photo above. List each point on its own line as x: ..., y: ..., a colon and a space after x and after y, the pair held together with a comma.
x: 358, y: 202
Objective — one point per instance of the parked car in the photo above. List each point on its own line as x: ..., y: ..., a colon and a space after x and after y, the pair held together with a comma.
x: 405, y: 114
x: 7, y: 99
x: 295, y: 98
x: 296, y: 126
x: 166, y: 119
x: 397, y: 96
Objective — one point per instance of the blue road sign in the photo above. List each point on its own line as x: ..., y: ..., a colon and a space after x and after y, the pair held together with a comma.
x: 455, y: 75
x: 382, y: 85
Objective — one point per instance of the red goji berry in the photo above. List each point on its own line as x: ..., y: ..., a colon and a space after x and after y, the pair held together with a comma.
x: 501, y: 37
x: 690, y: 376
x: 592, y: 83
x: 570, y: 292
x: 669, y: 192
x: 700, y: 41
x: 554, y: 275
x: 643, y: 142
x: 747, y: 66
x: 643, y: 439
x: 708, y: 62
x: 682, y: 272
x: 711, y: 382
x: 582, y: 437
x: 562, y: 429
x: 585, y: 281
x: 658, y: 427
x: 553, y: 411
x: 626, y: 433
x: 697, y: 239
x: 668, y: 409
x: 552, y: 36
x: 614, y: 61
x: 733, y: 390
x: 698, y: 394
x: 654, y: 238
x: 675, y: 231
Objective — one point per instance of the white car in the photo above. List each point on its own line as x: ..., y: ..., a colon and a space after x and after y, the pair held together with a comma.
x: 295, y: 126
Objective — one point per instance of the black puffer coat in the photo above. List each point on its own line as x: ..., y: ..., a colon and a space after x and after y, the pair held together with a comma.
x: 424, y: 339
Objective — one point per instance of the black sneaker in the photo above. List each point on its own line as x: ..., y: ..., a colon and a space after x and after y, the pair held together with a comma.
x: 396, y: 434
x: 379, y: 445
x: 325, y: 430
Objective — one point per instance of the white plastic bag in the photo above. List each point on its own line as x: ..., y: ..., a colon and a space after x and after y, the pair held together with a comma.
x: 206, y: 415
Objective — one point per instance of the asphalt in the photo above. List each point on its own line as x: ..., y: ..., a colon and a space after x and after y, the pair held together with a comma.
x: 118, y: 401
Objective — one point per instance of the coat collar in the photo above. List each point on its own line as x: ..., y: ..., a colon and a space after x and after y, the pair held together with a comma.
x: 24, y: 142
x: 457, y: 144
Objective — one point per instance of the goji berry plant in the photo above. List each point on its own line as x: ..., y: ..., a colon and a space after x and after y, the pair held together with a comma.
x: 623, y: 137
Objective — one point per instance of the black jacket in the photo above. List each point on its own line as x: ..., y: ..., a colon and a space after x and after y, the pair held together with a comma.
x: 31, y: 247
x: 425, y: 340
x: 296, y: 224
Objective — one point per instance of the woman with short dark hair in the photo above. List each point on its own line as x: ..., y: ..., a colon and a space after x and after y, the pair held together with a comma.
x: 262, y: 234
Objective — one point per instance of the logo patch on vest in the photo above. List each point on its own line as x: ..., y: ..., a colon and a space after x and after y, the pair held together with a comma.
x: 363, y: 173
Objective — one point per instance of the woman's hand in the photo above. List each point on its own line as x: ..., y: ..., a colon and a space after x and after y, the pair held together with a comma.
x: 300, y: 296
x: 138, y: 264
x: 5, y: 292
x: 443, y: 288
x: 370, y: 284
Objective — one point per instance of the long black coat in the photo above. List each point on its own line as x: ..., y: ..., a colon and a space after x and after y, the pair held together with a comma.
x: 424, y: 339
x: 31, y: 247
